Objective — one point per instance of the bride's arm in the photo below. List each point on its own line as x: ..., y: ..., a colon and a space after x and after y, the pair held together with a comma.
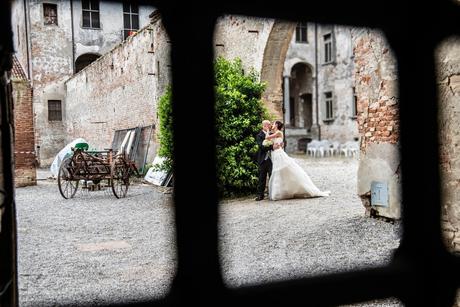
x: 274, y: 135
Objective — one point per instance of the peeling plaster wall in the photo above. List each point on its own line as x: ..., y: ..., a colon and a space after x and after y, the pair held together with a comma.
x: 448, y: 78
x: 119, y: 90
x: 378, y: 121
x: 100, y: 41
x: 337, y: 78
x: 376, y: 84
x: 18, y: 20
x: 51, y: 65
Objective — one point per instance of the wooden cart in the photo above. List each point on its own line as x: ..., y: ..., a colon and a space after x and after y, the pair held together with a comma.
x: 84, y: 167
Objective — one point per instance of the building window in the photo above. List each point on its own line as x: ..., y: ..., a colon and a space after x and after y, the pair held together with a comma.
x: 50, y: 14
x: 301, y: 33
x: 90, y: 9
x: 327, y: 48
x: 329, y: 106
x: 130, y: 18
x: 354, y: 109
x: 54, y: 110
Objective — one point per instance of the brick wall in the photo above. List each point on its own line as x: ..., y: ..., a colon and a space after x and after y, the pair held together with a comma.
x: 378, y: 123
x: 375, y: 83
x: 24, y: 139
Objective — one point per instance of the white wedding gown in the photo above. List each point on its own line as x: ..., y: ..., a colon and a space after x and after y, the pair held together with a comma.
x: 288, y: 179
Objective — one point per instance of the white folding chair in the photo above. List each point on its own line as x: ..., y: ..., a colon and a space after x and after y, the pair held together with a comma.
x: 312, y: 147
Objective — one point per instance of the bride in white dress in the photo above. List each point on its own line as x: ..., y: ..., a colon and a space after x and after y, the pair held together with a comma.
x: 288, y: 179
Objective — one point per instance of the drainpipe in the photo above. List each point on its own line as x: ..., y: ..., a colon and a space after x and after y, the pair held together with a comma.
x: 73, y: 36
x: 316, y: 81
x: 26, y: 19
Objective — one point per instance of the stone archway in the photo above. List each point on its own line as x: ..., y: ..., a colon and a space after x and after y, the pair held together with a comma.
x: 84, y: 60
x: 273, y: 65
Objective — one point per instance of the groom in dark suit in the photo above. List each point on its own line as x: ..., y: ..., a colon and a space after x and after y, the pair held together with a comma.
x: 263, y: 159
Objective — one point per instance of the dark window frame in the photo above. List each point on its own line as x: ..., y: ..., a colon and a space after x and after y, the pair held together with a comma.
x: 354, y: 106
x: 50, y: 20
x: 328, y: 106
x: 133, y: 17
x: 328, y: 48
x: 55, y: 110
x: 301, y: 33
x: 91, y: 11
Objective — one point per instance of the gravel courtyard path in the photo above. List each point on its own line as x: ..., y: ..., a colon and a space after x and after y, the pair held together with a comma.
x: 97, y: 249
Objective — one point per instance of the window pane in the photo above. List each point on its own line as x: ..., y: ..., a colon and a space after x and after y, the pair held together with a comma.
x: 134, y: 8
x: 126, y: 21
x: 95, y: 19
x: 95, y: 5
x: 297, y: 34
x: 327, y: 53
x: 330, y: 52
x: 50, y: 13
x: 304, y: 35
x: 86, y: 19
x: 85, y: 4
x: 125, y: 34
x: 54, y: 110
x: 126, y: 7
x: 135, y: 20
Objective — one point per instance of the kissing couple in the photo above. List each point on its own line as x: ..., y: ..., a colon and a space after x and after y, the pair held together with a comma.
x: 287, y: 178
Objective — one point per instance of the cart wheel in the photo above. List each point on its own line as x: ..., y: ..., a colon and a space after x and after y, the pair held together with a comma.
x: 67, y: 187
x: 120, y: 179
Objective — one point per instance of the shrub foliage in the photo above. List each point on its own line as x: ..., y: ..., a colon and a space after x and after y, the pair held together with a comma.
x: 239, y: 113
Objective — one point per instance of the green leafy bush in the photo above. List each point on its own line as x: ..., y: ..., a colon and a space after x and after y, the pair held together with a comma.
x: 166, y: 130
x: 239, y: 113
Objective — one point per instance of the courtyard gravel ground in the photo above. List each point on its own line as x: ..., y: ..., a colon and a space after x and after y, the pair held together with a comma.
x: 96, y: 249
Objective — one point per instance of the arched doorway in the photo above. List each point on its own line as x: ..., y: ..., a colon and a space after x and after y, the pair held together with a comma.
x: 84, y: 60
x: 300, y: 97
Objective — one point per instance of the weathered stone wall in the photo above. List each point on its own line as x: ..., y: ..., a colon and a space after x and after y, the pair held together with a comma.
x: 24, y: 138
x: 100, y: 41
x: 448, y: 77
x: 260, y: 43
x: 376, y: 89
x: 119, y: 90
x: 337, y: 78
x: 51, y: 65
x: 243, y: 37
